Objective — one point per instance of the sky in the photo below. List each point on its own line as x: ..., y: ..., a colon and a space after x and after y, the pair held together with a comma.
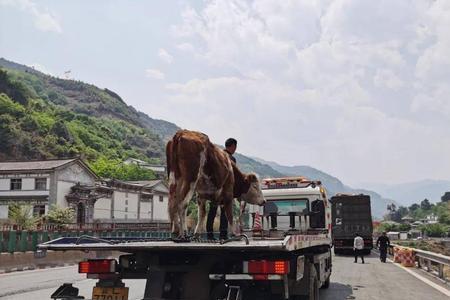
x: 357, y: 88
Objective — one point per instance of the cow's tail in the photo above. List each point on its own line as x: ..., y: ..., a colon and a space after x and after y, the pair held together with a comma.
x: 169, y: 154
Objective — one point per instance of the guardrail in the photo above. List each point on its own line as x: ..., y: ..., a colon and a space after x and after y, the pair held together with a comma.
x: 434, y: 263
x: 93, y: 226
x: 22, y: 240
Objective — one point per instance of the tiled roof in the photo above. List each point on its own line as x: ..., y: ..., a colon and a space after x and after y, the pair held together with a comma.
x: 147, y: 183
x: 33, y: 164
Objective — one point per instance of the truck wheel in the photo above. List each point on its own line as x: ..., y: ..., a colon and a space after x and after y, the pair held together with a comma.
x: 326, y: 284
x: 313, y: 284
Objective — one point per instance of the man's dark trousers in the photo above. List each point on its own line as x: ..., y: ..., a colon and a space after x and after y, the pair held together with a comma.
x: 360, y: 253
x: 210, y: 222
x: 383, y: 254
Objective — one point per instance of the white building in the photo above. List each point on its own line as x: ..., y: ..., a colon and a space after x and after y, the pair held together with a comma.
x: 70, y: 183
x: 41, y: 183
x: 133, y: 201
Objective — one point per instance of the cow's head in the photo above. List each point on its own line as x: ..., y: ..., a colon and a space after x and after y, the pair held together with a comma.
x: 254, y: 194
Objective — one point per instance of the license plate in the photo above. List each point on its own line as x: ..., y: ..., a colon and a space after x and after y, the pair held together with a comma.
x: 110, y: 293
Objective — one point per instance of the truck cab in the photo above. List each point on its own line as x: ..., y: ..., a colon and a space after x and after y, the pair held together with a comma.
x: 296, y: 204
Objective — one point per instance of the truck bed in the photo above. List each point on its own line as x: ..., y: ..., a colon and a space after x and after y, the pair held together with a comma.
x: 131, y: 245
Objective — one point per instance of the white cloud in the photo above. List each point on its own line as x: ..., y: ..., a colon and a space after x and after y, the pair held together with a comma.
x: 154, y: 74
x: 185, y: 47
x: 340, y: 84
x: 44, y: 20
x: 165, y: 56
x: 385, y: 78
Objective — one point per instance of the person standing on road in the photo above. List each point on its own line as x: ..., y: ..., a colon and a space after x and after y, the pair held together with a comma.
x: 358, y: 247
x: 383, y: 243
x: 230, y: 148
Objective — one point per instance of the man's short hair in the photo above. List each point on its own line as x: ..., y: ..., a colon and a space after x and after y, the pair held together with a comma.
x: 230, y: 142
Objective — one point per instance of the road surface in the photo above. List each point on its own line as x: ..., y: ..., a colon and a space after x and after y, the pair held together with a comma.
x: 373, y: 280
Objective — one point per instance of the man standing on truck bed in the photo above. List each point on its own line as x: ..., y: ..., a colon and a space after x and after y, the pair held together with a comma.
x: 358, y: 247
x: 230, y: 148
x: 383, y: 243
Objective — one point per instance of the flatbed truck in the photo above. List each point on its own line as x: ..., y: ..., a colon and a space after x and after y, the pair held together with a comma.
x: 285, y: 255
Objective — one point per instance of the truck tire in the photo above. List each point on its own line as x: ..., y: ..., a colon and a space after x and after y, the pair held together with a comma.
x: 313, y: 293
x: 326, y: 284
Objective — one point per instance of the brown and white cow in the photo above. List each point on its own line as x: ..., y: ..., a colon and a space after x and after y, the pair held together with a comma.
x: 195, y: 165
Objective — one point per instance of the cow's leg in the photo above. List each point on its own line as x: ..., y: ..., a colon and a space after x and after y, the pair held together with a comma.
x: 243, y: 204
x: 200, y: 228
x: 186, y: 193
x: 174, y: 218
x: 173, y: 205
x: 228, y: 207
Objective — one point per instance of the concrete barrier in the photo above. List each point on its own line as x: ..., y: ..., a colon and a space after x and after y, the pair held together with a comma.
x: 19, y: 261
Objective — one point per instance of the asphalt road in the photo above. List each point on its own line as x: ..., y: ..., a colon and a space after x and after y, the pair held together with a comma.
x: 372, y: 280
x: 377, y: 281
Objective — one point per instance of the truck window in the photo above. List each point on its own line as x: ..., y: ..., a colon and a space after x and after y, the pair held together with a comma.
x: 317, y: 219
x: 283, y: 207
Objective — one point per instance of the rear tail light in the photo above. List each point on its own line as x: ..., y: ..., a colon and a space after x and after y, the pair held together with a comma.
x: 97, y: 266
x: 266, y: 267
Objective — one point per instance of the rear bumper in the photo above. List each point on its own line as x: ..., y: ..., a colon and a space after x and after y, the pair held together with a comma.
x: 244, y: 277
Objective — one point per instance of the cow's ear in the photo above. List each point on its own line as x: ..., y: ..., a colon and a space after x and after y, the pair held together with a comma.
x: 252, y: 178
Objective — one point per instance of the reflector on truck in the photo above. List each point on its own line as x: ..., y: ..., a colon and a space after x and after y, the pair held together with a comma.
x: 97, y: 266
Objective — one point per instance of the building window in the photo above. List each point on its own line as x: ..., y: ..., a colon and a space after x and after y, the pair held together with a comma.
x: 126, y: 202
x: 38, y: 210
x: 126, y: 194
x: 16, y: 184
x: 40, y: 184
x: 126, y: 209
x: 161, y: 199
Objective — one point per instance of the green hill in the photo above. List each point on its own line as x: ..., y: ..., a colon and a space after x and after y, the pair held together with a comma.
x: 46, y: 117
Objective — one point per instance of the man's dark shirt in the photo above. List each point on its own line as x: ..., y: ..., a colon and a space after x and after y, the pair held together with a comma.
x: 231, y: 156
x: 383, y: 242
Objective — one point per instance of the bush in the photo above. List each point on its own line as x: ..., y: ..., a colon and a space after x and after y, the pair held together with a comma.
x: 435, y: 230
x: 58, y: 215
x: 22, y: 215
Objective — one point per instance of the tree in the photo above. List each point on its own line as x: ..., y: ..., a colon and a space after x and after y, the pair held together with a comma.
x: 435, y: 230
x: 116, y: 169
x: 403, y: 211
x: 425, y: 204
x: 58, y: 215
x: 414, y: 207
x: 446, y: 197
x: 22, y: 215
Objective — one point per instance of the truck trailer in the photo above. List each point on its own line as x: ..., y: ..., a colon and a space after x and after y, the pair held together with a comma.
x: 286, y: 254
x: 351, y: 215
